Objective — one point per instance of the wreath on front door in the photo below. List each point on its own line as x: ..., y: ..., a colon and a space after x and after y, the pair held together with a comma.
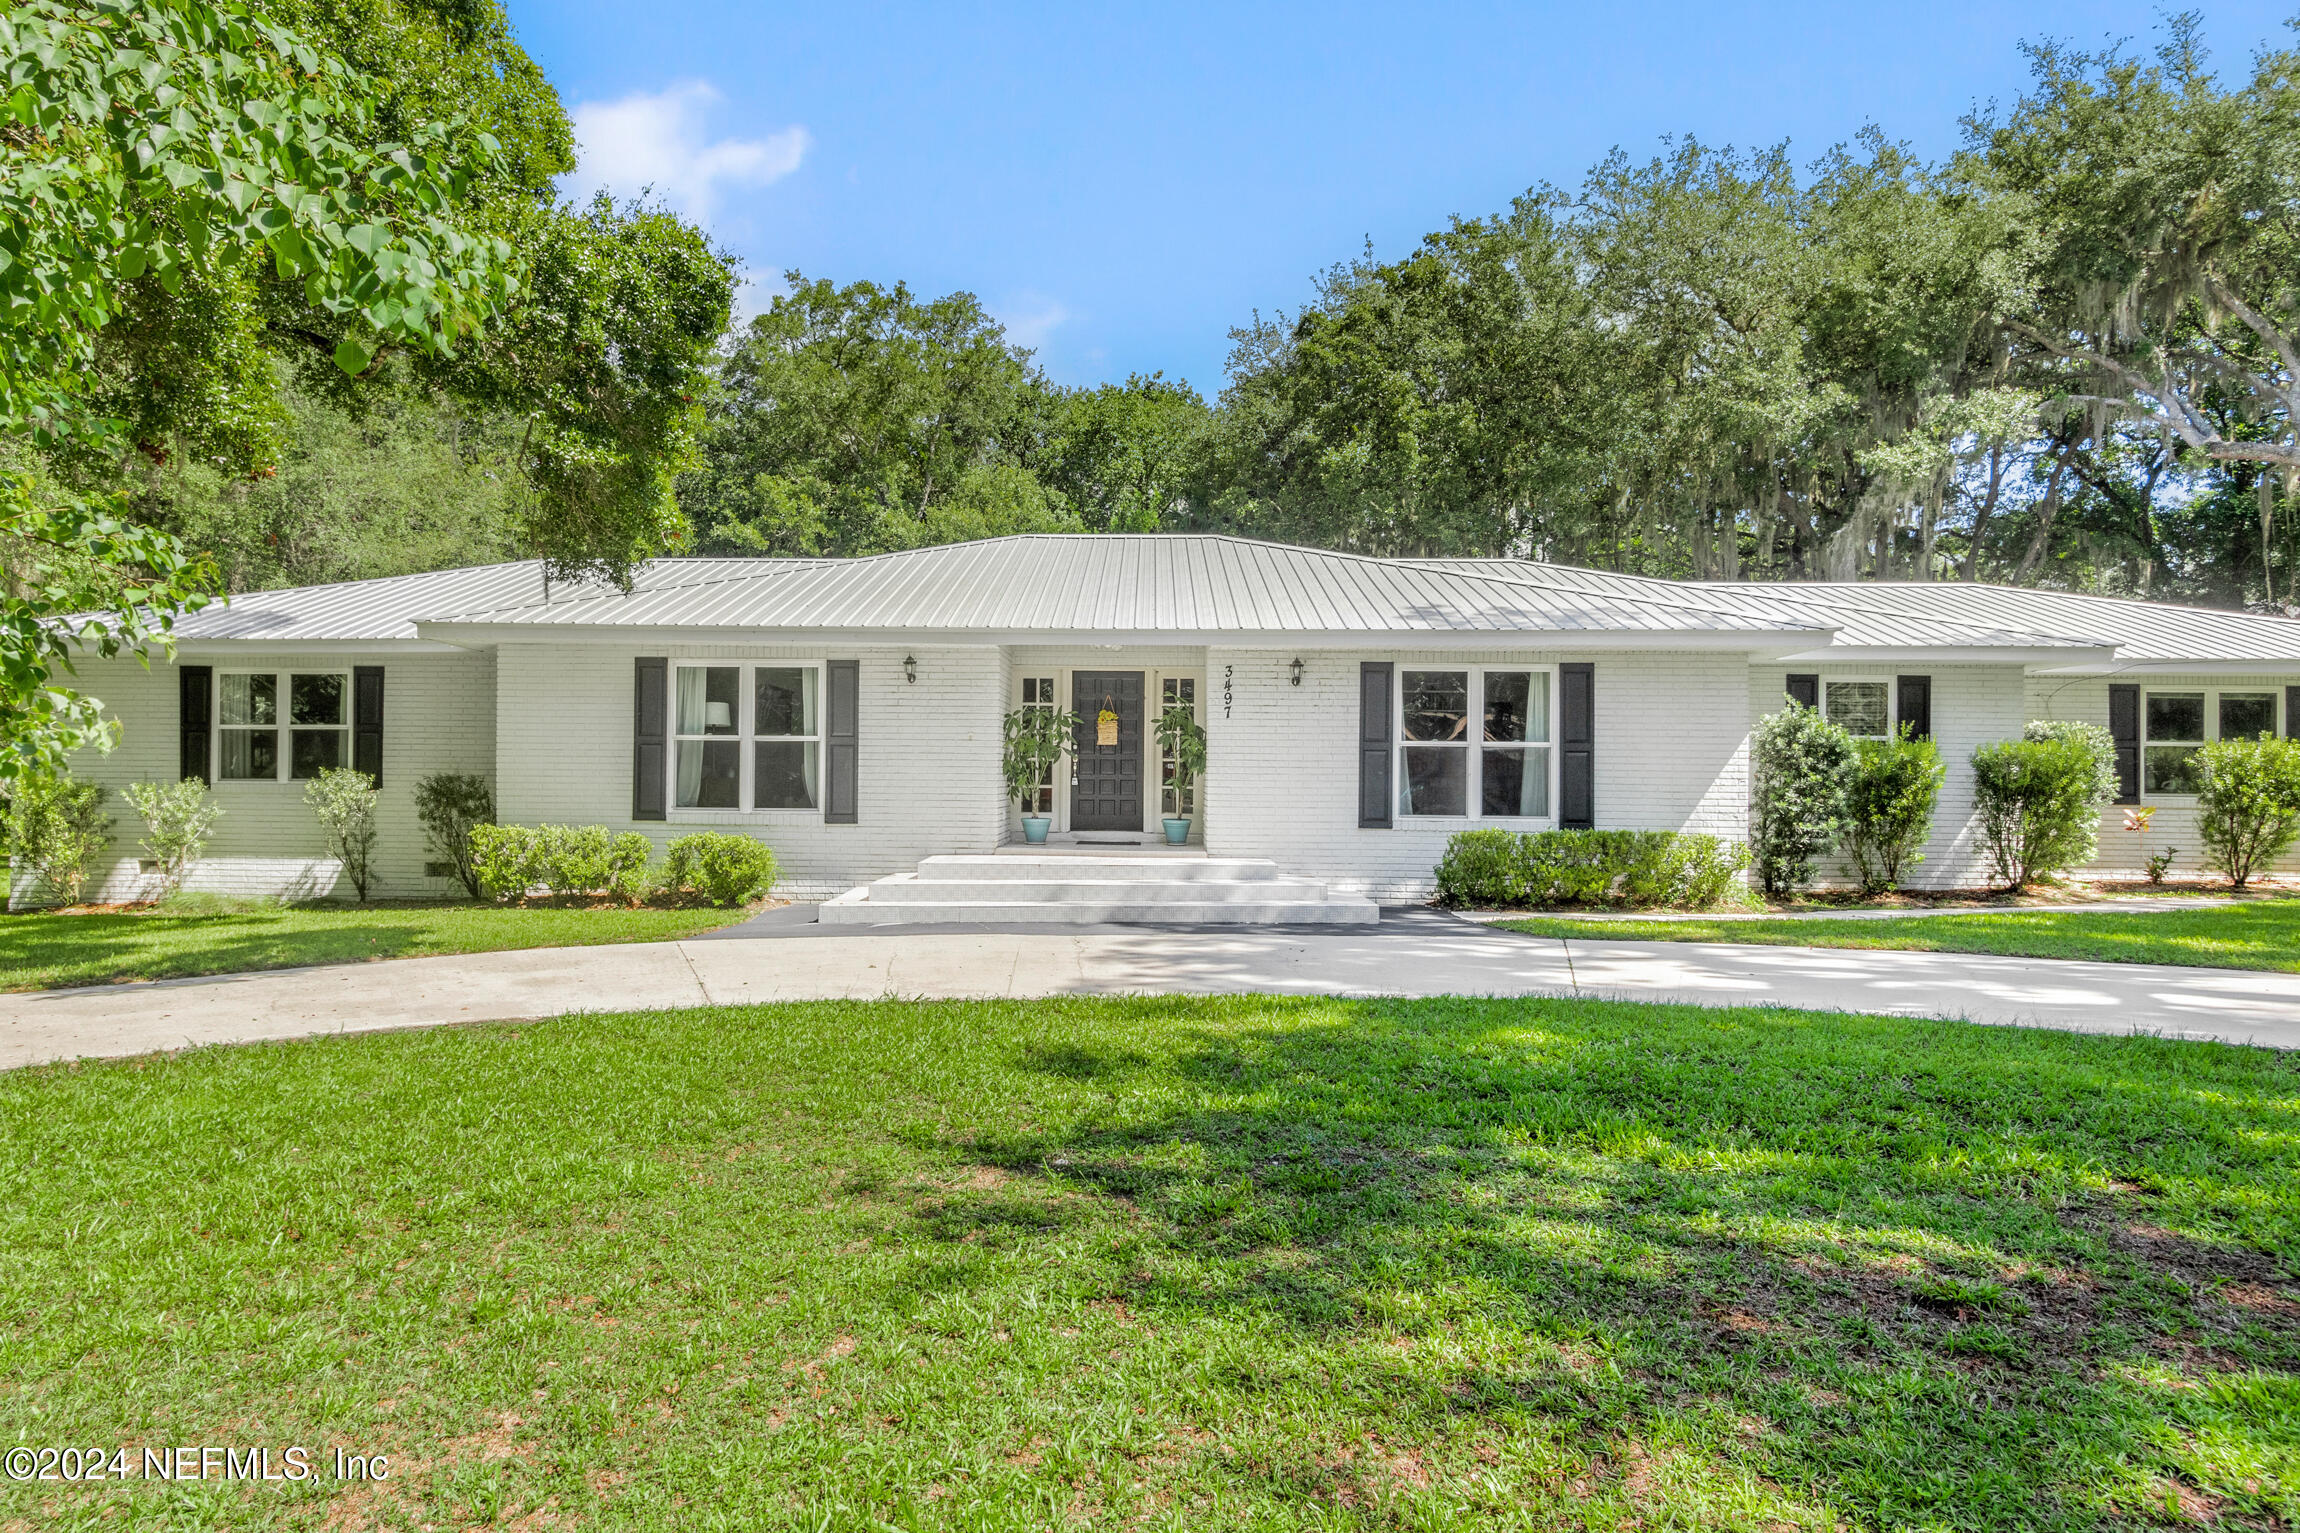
x: 1106, y: 728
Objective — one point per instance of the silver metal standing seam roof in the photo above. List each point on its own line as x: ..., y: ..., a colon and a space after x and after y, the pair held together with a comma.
x: 1858, y: 627
x: 1084, y: 583
x: 1120, y: 583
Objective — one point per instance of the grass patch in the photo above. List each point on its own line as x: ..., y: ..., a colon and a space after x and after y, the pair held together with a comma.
x: 41, y: 950
x: 1181, y: 1263
x: 2260, y: 935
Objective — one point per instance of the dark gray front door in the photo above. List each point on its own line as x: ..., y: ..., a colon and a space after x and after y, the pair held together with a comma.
x: 1106, y: 788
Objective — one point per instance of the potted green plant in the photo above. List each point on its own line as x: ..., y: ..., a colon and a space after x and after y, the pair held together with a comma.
x: 1182, y: 737
x: 1035, y: 739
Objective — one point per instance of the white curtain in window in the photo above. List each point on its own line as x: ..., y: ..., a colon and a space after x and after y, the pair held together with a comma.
x: 693, y: 681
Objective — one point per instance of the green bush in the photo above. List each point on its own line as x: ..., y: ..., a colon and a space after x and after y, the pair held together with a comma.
x: 1799, y: 767
x: 180, y: 817
x: 57, y: 827
x: 512, y: 861
x: 1889, y: 801
x: 505, y: 860
x: 2083, y: 844
x: 727, y: 870
x: 449, y: 805
x: 1589, y: 867
x: 2248, y: 805
x: 2039, y: 805
x: 1483, y: 868
x: 344, y: 800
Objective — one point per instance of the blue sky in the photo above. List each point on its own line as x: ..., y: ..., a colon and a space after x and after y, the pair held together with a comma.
x: 1123, y: 187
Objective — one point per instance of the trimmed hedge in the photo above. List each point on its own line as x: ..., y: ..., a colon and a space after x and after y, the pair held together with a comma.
x: 1633, y: 868
x: 514, y: 860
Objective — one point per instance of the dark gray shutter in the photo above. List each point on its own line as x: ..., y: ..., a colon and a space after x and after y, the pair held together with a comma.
x: 2124, y: 729
x: 367, y: 721
x: 650, y: 719
x: 1913, y: 705
x: 1806, y: 690
x: 1375, y: 791
x: 2292, y: 713
x: 840, y: 806
x: 1577, y: 742
x: 195, y: 687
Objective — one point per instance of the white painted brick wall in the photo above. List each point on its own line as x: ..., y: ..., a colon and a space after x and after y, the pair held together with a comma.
x: 927, y: 774
x: 1972, y: 704
x: 2085, y: 699
x: 439, y: 715
x: 1671, y: 753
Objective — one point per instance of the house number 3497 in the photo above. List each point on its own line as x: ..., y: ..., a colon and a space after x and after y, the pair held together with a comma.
x: 1226, y: 672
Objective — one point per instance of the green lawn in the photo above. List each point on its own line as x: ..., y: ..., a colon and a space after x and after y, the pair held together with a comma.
x: 2265, y: 935
x: 41, y: 951
x: 1220, y: 1264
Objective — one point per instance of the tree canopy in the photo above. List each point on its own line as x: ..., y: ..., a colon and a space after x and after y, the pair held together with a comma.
x: 205, y: 214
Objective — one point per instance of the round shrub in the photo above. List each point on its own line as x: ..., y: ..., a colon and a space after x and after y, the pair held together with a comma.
x: 727, y: 870
x: 2248, y: 806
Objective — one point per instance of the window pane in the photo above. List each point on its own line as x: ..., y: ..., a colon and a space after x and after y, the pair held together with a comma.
x: 1436, y: 781
x: 1858, y: 707
x: 786, y: 774
x: 251, y: 753
x: 1437, y: 706
x: 250, y: 700
x: 2244, y: 715
x: 2176, y: 715
x: 1516, y: 782
x: 710, y: 774
x: 2174, y: 769
x: 1181, y: 689
x: 313, y: 751
x: 787, y: 701
x: 707, y: 699
x: 315, y: 699
x: 1517, y: 705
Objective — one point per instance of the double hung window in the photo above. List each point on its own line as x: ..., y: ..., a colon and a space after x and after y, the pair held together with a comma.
x: 1863, y: 709
x: 747, y: 737
x: 249, y: 719
x: 2176, y: 724
x: 1474, y: 735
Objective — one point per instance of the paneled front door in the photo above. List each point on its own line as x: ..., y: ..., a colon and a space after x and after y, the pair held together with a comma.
x: 1106, y: 782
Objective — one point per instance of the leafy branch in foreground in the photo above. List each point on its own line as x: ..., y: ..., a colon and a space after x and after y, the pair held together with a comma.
x: 178, y: 142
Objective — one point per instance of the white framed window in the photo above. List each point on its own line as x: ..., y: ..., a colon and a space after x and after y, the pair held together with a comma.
x: 2175, y: 725
x: 1038, y: 692
x: 254, y: 709
x: 1863, y: 709
x: 1174, y: 690
x: 1475, y: 740
x: 747, y: 736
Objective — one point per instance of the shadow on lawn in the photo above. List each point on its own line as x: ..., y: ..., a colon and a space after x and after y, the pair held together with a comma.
x: 1920, y: 1265
x: 95, y: 949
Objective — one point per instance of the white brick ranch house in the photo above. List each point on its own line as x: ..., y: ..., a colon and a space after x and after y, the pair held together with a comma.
x: 1359, y: 711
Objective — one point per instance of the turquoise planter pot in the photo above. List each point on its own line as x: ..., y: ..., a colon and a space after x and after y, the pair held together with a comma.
x: 1177, y: 831
x: 1034, y: 828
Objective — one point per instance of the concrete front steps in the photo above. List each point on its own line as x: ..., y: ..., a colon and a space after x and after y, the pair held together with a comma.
x: 1171, y: 888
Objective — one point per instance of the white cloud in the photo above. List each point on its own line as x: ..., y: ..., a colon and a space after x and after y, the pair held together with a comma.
x: 662, y: 141
x: 754, y: 292
x: 1030, y: 318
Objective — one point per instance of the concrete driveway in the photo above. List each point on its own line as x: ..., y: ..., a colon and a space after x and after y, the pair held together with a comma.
x: 1411, y: 953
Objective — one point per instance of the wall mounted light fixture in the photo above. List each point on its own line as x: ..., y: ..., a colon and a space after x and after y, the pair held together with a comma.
x: 909, y: 668
x: 1296, y: 668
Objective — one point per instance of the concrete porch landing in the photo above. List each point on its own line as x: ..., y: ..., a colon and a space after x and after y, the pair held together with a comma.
x: 1168, y: 886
